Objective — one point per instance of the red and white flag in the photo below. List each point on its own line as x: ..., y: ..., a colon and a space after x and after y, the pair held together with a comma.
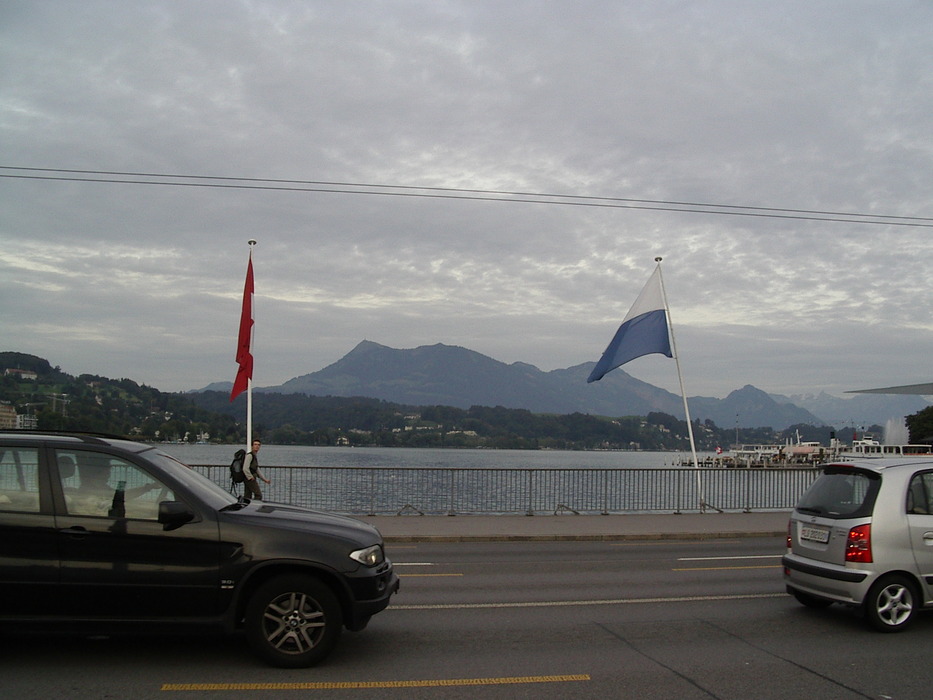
x: 244, y: 357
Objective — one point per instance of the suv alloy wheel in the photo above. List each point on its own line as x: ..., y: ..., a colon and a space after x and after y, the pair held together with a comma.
x: 293, y: 621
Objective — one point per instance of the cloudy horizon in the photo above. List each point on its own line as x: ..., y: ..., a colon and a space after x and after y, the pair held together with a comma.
x: 794, y: 138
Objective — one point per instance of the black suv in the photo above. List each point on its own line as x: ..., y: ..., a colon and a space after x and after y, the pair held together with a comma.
x: 108, y: 535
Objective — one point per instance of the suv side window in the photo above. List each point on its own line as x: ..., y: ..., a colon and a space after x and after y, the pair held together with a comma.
x: 919, y: 493
x: 19, y: 479
x: 104, y: 485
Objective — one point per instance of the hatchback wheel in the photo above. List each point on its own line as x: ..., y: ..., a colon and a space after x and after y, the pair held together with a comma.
x: 891, y: 603
x: 293, y: 621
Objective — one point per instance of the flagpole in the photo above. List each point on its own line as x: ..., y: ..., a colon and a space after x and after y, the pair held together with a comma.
x: 683, y: 391
x: 249, y: 381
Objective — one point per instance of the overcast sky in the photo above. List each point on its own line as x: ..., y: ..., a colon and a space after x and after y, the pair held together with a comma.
x: 793, y: 107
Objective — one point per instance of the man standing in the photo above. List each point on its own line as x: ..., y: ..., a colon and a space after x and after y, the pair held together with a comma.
x: 251, y: 473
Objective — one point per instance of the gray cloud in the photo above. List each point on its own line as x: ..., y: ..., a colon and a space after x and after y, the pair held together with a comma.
x: 809, y: 106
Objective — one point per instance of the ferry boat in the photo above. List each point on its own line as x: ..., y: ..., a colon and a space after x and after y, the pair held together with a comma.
x: 870, y: 447
x: 755, y: 455
x: 791, y: 454
x: 813, y: 453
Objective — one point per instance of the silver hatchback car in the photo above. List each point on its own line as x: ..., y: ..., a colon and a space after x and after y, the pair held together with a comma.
x: 862, y: 535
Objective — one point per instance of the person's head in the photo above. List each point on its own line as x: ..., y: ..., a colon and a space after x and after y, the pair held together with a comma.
x: 257, y: 443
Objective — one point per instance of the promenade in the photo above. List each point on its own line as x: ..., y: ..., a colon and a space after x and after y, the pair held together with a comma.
x: 569, y: 527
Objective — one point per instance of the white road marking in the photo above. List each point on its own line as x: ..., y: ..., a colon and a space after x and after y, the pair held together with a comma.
x: 412, y: 563
x: 568, y: 603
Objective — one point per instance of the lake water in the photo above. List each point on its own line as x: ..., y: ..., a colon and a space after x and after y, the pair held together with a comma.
x: 388, y: 480
x: 402, y: 457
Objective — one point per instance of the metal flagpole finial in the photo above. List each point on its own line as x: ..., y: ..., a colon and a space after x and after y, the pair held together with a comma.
x: 657, y: 259
x: 251, y: 242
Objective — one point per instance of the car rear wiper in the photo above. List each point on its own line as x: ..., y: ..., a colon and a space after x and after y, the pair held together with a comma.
x: 816, y: 510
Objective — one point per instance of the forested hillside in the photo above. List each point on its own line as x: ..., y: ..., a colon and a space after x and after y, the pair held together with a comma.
x: 51, y: 399
x: 55, y: 400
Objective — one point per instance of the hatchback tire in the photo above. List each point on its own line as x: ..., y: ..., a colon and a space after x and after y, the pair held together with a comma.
x: 892, y: 603
x: 293, y: 621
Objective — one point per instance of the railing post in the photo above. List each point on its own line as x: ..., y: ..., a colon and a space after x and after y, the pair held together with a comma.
x: 450, y: 509
x: 530, y: 510
x: 605, y: 492
x: 678, y: 492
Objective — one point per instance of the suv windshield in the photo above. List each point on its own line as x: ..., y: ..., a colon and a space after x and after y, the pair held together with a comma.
x: 207, y: 489
x: 841, y: 493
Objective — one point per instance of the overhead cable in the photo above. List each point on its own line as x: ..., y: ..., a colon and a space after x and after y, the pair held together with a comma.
x: 434, y: 192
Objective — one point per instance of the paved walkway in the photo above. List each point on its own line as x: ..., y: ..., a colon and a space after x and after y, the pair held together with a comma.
x: 467, y: 528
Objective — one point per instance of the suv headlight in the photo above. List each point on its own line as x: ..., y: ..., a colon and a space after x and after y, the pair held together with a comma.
x: 371, y: 556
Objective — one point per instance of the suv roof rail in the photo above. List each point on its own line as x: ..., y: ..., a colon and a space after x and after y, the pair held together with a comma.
x: 84, y: 435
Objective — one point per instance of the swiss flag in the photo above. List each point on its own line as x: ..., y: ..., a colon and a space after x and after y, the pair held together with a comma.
x: 244, y: 357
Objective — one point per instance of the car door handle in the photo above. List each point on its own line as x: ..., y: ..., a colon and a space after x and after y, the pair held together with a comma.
x: 928, y: 538
x: 77, y: 531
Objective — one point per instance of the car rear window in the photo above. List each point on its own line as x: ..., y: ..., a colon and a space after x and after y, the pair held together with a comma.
x: 841, y: 493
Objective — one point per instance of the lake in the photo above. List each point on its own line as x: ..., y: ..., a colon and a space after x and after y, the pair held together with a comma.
x: 385, y: 480
x: 426, y: 457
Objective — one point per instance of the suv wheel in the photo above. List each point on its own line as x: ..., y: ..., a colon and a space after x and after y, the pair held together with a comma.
x: 891, y: 603
x: 293, y: 621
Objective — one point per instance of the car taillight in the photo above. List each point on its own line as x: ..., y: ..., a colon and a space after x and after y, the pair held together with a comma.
x: 789, y: 540
x: 858, y: 544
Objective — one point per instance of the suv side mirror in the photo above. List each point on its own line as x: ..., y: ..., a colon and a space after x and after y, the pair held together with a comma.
x: 174, y: 514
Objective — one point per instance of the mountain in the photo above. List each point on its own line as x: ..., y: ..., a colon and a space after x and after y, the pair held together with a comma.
x: 428, y: 375
x: 747, y: 406
x: 454, y: 376
x: 215, y: 386
x: 859, y: 410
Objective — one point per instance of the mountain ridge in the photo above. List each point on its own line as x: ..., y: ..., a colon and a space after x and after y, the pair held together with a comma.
x: 452, y: 375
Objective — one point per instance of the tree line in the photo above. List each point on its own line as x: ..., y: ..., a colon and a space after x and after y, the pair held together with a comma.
x: 58, y: 401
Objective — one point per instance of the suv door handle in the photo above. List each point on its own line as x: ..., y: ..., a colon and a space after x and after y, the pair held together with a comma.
x: 76, y: 531
x: 928, y: 538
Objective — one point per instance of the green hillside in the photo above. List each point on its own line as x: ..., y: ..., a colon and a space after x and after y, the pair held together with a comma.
x: 49, y: 399
x: 55, y: 400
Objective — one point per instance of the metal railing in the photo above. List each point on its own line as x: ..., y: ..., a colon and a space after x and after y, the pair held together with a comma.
x: 379, y: 491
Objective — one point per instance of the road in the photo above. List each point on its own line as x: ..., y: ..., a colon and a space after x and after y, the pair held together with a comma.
x: 634, y: 619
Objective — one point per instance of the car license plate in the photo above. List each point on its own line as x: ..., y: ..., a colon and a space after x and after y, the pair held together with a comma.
x: 814, y: 534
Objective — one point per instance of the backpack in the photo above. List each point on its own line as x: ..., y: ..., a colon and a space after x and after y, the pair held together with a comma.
x: 236, y: 466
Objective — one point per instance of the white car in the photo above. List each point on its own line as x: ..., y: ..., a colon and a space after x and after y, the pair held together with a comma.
x: 862, y: 535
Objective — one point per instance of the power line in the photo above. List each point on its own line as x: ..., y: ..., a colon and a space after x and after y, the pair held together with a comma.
x: 327, y: 187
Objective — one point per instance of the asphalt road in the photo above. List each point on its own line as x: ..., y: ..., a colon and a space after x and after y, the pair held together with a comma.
x: 596, y: 619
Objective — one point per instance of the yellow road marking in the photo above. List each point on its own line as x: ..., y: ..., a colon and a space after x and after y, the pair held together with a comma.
x: 656, y: 542
x: 727, y: 568
x: 359, y: 685
x: 741, y: 556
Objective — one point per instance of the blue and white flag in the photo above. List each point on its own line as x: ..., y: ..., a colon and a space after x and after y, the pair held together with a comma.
x: 643, y: 331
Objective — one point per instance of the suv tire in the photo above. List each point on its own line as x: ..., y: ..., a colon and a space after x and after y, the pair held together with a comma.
x: 892, y: 603
x: 293, y: 621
